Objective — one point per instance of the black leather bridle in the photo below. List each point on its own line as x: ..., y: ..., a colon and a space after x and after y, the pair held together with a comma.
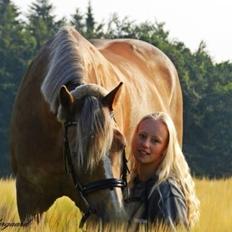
x: 85, y: 189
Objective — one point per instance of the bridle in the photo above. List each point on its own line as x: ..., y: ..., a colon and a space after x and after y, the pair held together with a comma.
x: 85, y: 189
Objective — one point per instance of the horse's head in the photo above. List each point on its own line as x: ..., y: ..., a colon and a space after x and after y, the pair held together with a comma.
x: 94, y: 148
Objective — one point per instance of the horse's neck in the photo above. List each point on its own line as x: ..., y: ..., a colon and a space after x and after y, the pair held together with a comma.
x: 100, y: 71
x: 97, y: 69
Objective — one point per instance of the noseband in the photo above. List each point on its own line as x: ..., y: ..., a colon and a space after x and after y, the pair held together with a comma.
x: 84, y: 190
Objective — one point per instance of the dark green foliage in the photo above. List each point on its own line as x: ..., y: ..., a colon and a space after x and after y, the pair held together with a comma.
x: 86, y: 24
x: 42, y: 24
x: 15, y: 53
x: 117, y: 28
x: 77, y: 21
x: 90, y: 22
x: 206, y: 86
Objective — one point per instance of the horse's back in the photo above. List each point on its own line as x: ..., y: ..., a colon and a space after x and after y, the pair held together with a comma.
x: 150, y: 79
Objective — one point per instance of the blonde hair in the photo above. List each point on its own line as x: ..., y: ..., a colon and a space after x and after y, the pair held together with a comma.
x: 95, y: 134
x: 173, y: 166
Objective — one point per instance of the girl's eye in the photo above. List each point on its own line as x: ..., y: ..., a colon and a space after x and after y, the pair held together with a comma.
x: 154, y: 141
x: 142, y: 136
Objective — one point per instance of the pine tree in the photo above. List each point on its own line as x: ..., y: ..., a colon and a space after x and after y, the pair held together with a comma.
x: 77, y: 21
x: 92, y: 29
x: 90, y: 22
x: 42, y: 23
x: 14, y: 53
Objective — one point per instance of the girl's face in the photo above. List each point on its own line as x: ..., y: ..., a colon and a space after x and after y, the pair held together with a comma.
x: 150, y: 142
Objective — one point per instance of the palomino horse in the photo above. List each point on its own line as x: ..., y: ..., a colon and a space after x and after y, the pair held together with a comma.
x: 44, y: 107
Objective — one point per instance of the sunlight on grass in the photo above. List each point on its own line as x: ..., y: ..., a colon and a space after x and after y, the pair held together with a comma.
x: 215, y: 197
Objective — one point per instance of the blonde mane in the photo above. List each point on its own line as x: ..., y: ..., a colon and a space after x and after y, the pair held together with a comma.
x: 94, y: 126
x: 64, y: 65
x: 95, y: 134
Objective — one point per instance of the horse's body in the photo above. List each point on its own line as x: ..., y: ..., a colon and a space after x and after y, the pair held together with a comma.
x: 150, y: 81
x: 150, y: 84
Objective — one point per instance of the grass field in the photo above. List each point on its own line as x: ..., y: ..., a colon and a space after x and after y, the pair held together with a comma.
x: 215, y: 197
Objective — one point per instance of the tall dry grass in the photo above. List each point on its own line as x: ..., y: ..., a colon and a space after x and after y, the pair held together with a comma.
x: 215, y: 197
x: 216, y: 205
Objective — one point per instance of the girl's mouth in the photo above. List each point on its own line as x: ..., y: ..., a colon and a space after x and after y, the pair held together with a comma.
x: 144, y: 153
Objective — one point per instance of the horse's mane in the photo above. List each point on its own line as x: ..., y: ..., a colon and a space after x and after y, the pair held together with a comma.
x: 95, y: 134
x: 95, y: 126
x: 64, y: 65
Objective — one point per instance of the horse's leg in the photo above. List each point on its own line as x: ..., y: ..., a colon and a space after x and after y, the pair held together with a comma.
x: 27, y: 199
x: 31, y: 201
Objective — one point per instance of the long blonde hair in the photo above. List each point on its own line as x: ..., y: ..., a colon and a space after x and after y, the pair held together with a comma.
x: 173, y: 166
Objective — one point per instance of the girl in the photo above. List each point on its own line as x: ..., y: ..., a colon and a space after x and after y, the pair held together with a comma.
x: 161, y: 188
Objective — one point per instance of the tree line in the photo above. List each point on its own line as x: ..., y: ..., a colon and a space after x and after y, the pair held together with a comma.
x: 206, y: 85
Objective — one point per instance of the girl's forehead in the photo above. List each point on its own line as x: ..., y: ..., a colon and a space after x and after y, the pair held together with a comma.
x: 151, y: 122
x: 153, y: 126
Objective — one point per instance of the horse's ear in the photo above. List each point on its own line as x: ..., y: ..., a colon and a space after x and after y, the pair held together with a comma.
x: 111, y: 98
x: 66, y: 98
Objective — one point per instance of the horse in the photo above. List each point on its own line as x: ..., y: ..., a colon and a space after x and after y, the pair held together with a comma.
x: 69, y: 91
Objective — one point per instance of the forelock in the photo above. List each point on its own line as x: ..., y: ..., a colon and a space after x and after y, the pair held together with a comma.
x: 89, y: 90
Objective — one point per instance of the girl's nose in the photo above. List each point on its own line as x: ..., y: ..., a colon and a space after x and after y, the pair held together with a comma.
x: 146, y: 143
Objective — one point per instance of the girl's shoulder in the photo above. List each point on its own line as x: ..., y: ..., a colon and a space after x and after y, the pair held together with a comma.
x: 169, y: 188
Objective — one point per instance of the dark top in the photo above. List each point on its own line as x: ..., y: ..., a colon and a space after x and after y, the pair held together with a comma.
x: 166, y: 203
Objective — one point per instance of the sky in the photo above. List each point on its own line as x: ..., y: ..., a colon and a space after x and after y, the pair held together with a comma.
x: 188, y: 21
